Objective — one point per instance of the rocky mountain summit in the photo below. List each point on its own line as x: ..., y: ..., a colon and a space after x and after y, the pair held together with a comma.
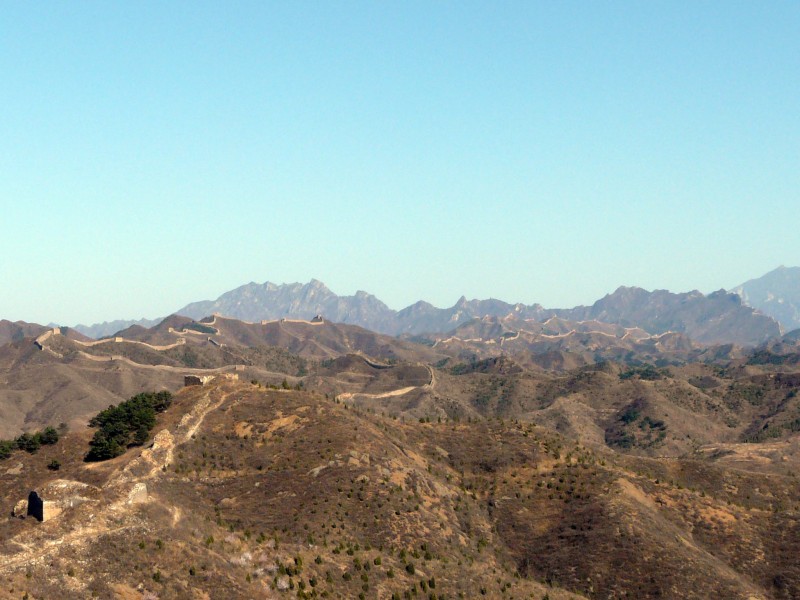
x: 776, y: 294
x: 716, y: 318
x: 256, y: 302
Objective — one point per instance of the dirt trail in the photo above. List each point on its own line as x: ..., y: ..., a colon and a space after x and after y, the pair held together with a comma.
x: 400, y: 392
x: 78, y: 535
x: 192, y: 420
x: 153, y: 460
x: 392, y: 393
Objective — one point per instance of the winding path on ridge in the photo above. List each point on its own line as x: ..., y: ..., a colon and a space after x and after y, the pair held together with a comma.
x: 399, y: 392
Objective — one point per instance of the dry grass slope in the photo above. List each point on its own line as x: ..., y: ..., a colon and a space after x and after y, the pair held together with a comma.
x: 270, y: 493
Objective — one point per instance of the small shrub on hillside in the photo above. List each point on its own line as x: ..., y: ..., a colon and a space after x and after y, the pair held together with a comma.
x: 7, y: 447
x: 48, y: 436
x: 29, y: 443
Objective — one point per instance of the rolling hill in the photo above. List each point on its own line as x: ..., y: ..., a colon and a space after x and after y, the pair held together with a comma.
x: 248, y: 492
x: 13, y: 332
x: 67, y: 378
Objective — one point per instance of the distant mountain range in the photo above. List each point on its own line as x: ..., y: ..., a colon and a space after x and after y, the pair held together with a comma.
x: 717, y: 318
x: 776, y: 294
x: 107, y: 328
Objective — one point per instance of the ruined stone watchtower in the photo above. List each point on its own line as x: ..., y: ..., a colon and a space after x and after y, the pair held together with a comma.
x: 35, y: 506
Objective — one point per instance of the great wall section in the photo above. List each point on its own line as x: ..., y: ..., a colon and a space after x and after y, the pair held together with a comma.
x: 201, y: 376
x: 40, y: 342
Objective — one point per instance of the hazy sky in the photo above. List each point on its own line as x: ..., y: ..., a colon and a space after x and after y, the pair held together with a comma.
x: 153, y: 154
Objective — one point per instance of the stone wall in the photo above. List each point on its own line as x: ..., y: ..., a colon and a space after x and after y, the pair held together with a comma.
x: 190, y: 380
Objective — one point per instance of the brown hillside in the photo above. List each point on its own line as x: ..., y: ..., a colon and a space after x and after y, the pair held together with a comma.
x: 248, y: 492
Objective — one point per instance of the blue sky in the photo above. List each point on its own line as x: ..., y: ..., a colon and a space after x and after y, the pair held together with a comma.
x: 153, y: 154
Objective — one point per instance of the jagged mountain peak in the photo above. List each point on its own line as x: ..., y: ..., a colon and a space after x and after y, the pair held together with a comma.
x: 418, y: 305
x: 317, y: 285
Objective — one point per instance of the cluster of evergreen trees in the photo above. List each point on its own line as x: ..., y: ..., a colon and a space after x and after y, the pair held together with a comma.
x: 30, y: 442
x: 128, y: 424
x: 646, y: 371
